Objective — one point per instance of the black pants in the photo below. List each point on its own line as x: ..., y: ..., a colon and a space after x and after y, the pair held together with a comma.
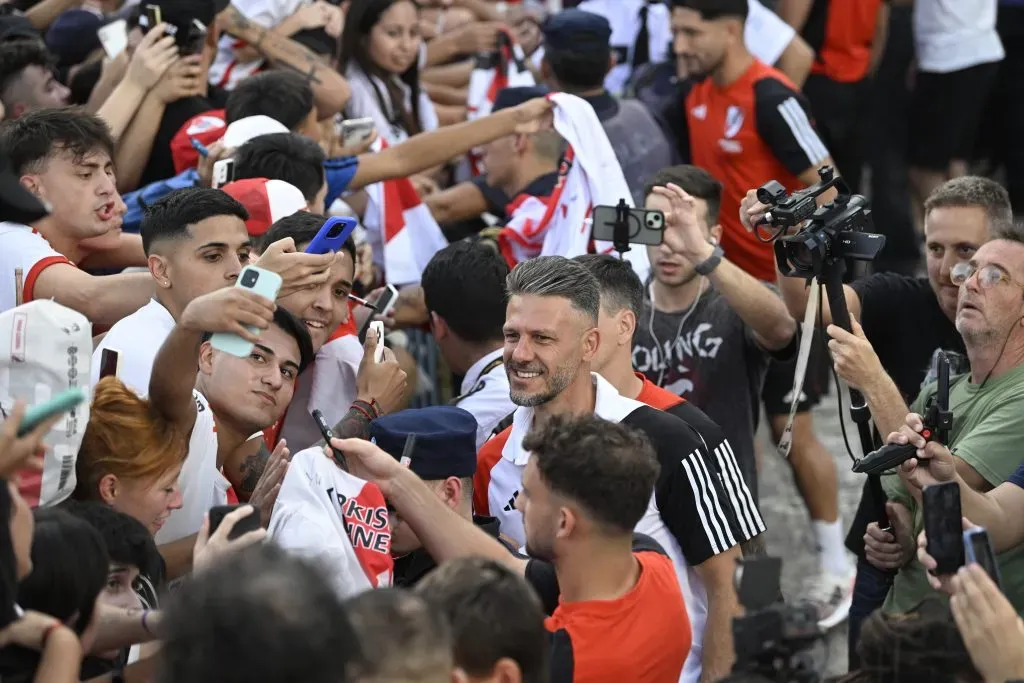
x: 840, y: 111
x: 1004, y: 129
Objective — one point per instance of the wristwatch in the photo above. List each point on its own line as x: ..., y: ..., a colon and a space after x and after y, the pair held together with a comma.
x: 706, y: 267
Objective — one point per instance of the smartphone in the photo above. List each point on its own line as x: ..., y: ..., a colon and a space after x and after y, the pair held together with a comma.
x: 244, y: 525
x: 384, y: 303
x: 109, y: 362
x: 354, y: 131
x: 151, y: 16
x: 223, y: 173
x: 378, y: 352
x: 114, y: 37
x: 59, y: 404
x: 942, y: 525
x: 332, y: 235
x: 978, y: 549
x: 262, y: 282
x: 190, y: 39
x: 645, y: 226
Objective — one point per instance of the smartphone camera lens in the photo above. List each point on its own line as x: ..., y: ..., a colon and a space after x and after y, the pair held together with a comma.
x: 249, y: 278
x: 335, y: 230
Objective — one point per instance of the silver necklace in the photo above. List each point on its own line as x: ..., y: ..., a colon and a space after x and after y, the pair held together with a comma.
x: 679, y: 329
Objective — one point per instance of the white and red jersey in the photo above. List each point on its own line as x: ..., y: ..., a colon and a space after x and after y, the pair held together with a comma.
x: 25, y: 254
x: 202, y: 484
x: 227, y: 71
x: 328, y: 515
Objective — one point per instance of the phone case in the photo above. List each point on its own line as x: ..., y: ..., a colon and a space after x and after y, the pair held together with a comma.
x: 223, y: 173
x: 61, y: 403
x: 378, y: 327
x: 356, y: 130
x: 646, y: 226
x: 266, y: 284
x: 332, y: 236
x: 942, y: 525
x: 384, y: 303
x: 114, y: 37
x: 978, y: 549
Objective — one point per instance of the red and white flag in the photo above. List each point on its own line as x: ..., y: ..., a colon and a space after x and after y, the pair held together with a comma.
x: 401, y: 229
x: 588, y: 176
x: 505, y: 68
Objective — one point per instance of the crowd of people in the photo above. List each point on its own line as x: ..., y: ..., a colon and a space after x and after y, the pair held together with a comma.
x: 319, y: 363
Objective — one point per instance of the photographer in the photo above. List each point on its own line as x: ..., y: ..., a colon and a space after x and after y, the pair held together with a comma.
x: 902, y: 321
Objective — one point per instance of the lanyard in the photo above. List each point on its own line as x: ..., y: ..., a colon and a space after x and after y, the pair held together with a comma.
x: 480, y: 381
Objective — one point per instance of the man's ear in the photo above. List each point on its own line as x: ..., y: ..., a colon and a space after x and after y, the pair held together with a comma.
x: 30, y: 182
x: 452, y: 489
x: 625, y: 326
x: 438, y: 326
x: 716, y: 233
x: 159, y: 269
x: 206, y: 358
x: 591, y: 342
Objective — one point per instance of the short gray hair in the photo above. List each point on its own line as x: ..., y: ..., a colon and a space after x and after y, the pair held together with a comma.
x: 557, y: 276
x: 1011, y: 232
x: 971, y: 190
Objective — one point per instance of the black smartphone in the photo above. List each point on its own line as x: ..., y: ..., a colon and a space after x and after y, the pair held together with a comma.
x: 978, y: 548
x: 190, y: 39
x: 942, y: 525
x: 151, y: 16
x: 244, y: 525
x: 108, y: 363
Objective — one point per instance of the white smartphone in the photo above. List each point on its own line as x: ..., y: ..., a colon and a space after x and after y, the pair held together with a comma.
x: 263, y: 282
x: 114, y: 37
x: 384, y: 303
x: 223, y: 173
x: 354, y: 131
x: 378, y: 353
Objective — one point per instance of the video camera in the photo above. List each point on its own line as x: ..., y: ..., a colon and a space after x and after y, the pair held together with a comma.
x: 772, y: 639
x: 835, y: 231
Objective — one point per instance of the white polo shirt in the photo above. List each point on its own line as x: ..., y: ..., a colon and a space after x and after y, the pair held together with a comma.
x: 484, y: 394
x: 24, y: 254
x: 137, y: 338
x: 202, y: 484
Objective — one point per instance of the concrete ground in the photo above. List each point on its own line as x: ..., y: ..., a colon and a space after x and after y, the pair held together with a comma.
x: 789, y: 532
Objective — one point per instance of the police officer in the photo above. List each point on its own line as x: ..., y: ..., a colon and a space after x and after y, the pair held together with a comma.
x: 444, y: 456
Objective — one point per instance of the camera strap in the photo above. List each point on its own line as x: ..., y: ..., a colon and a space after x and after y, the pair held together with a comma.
x: 807, y: 336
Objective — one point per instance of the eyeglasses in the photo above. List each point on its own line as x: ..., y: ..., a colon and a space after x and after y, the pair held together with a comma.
x: 988, y: 276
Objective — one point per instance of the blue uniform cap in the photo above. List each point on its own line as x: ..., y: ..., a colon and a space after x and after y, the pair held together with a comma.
x: 445, y: 440
x: 577, y: 30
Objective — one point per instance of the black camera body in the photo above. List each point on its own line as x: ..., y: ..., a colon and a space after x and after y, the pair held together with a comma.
x: 833, y: 232
x: 772, y: 638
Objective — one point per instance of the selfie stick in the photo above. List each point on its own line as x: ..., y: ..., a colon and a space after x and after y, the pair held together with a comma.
x: 620, y: 228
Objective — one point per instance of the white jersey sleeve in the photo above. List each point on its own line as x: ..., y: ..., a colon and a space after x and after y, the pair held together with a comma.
x: 765, y: 33
x: 24, y: 255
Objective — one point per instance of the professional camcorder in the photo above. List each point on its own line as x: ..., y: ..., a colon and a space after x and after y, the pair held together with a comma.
x: 835, y: 231
x: 772, y: 639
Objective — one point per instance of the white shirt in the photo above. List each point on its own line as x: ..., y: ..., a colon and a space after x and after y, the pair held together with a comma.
x: 365, y: 102
x: 25, y: 250
x: 765, y: 33
x: 485, y: 395
x: 328, y: 385
x: 202, y: 484
x: 226, y: 71
x: 137, y: 338
x: 950, y: 35
x: 624, y: 17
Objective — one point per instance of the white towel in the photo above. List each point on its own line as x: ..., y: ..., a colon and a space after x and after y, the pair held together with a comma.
x: 400, y: 228
x: 588, y: 176
x: 328, y: 515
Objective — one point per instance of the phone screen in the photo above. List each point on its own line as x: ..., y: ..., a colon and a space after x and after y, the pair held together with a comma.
x: 981, y: 551
x: 941, y: 503
x: 108, y: 363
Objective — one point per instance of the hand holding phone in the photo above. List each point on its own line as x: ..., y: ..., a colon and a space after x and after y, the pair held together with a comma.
x: 356, y: 131
x: 259, y: 281
x: 251, y: 522
x: 978, y: 550
x: 384, y: 304
x: 378, y: 331
x: 332, y: 235
x: 223, y: 173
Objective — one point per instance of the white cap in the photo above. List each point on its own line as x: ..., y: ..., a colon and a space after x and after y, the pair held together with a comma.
x: 244, y: 130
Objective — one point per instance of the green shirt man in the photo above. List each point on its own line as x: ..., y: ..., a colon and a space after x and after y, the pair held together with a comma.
x: 987, y: 434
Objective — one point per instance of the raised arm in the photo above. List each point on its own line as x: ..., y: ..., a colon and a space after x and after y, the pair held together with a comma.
x: 330, y: 89
x: 759, y: 307
x: 174, y: 370
x: 103, y: 299
x: 427, y: 150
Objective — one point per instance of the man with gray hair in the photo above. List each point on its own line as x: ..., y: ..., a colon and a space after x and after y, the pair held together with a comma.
x: 551, y: 340
x: 899, y: 323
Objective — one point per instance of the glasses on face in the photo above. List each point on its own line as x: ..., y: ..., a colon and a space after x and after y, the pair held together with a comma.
x: 988, y: 276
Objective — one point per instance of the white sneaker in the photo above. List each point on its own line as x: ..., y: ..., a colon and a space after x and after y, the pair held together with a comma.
x: 832, y: 595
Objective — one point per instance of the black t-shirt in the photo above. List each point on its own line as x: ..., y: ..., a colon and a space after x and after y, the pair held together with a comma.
x: 161, y: 164
x: 903, y: 321
x: 498, y: 201
x: 411, y: 568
